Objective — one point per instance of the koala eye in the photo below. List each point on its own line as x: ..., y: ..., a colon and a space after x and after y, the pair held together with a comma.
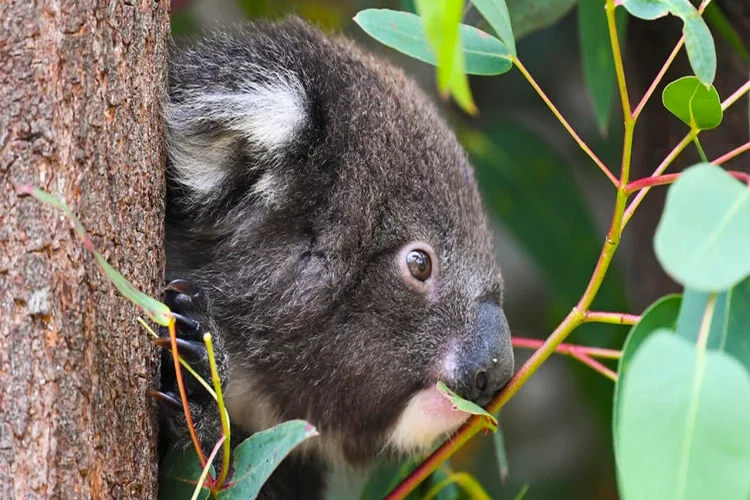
x: 419, y: 264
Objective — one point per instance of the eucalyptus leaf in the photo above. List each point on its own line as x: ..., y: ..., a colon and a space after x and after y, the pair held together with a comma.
x: 403, y: 31
x: 703, y: 238
x: 501, y: 454
x: 730, y: 325
x: 660, y: 315
x: 598, y: 61
x: 153, y: 308
x: 259, y: 455
x: 690, y: 101
x: 496, y: 14
x: 528, y: 16
x: 179, y: 473
x: 441, y: 20
x: 698, y: 40
x: 683, y: 433
x: 463, y: 405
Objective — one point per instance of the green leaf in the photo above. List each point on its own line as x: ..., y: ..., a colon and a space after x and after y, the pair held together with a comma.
x: 730, y: 324
x: 598, y: 62
x: 661, y: 314
x: 703, y: 238
x: 698, y: 40
x: 441, y: 20
x: 700, y: 48
x: 501, y: 454
x: 496, y: 14
x: 697, y: 106
x: 528, y: 16
x: 465, y: 406
x: 179, y: 473
x: 684, y: 433
x: 154, y: 309
x: 647, y: 9
x: 259, y: 455
x: 484, y: 54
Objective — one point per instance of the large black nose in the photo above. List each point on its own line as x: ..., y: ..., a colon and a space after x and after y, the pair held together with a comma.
x: 485, y: 361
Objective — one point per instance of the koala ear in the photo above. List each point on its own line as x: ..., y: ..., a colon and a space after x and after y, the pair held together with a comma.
x: 209, y: 130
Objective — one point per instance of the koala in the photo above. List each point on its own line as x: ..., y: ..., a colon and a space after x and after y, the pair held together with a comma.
x: 324, y: 224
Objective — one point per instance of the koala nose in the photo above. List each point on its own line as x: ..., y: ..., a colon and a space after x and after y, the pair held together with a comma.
x: 486, y: 360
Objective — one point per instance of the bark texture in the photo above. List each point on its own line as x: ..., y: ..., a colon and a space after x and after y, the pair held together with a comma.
x: 658, y: 132
x: 81, y: 82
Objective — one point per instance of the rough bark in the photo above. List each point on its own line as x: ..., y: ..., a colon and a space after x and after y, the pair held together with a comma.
x: 658, y: 132
x: 81, y: 83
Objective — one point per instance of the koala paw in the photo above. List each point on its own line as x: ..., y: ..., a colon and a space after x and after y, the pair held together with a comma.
x: 189, y: 307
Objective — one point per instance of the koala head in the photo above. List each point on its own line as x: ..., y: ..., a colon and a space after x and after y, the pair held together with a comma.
x: 335, y: 224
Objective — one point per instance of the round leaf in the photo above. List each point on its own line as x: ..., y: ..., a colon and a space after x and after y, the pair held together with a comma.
x: 703, y: 238
x: 684, y: 433
x: 690, y: 101
x: 403, y: 31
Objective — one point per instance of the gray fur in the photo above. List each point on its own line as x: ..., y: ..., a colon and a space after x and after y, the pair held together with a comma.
x: 292, y: 236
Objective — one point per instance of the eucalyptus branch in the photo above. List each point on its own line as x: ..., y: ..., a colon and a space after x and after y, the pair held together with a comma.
x: 729, y: 101
x: 595, y: 365
x: 732, y: 154
x: 627, y: 146
x: 612, y: 318
x: 662, y: 180
x: 183, y: 394
x: 567, y: 349
x: 223, y: 415
x: 565, y: 123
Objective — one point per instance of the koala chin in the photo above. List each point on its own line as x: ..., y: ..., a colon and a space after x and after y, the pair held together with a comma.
x: 324, y: 224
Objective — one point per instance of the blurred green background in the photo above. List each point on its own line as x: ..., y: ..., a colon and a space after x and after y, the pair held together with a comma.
x: 551, y: 207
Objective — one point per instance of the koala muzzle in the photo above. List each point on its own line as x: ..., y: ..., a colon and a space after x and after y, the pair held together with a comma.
x: 485, y: 362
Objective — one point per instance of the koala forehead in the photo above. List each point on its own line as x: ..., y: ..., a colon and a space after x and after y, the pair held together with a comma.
x: 281, y: 118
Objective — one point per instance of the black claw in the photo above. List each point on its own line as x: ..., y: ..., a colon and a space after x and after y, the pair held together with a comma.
x: 191, y: 351
x: 168, y: 399
x: 182, y: 286
x: 182, y: 295
x: 187, y: 325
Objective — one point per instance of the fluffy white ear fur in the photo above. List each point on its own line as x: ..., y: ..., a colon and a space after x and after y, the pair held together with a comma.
x: 266, y: 114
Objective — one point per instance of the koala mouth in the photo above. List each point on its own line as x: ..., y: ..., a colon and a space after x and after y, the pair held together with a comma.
x: 427, y: 416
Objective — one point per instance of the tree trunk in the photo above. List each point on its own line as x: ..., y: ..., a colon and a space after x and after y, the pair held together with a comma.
x: 81, y: 82
x: 658, y: 131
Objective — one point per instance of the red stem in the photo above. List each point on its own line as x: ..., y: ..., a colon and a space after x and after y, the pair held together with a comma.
x: 595, y: 365
x: 735, y: 152
x: 568, y: 349
x: 661, y: 180
x: 183, y: 394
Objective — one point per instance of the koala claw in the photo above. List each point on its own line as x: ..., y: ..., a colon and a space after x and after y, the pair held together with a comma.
x: 169, y: 399
x: 187, y: 326
x: 183, y: 295
x: 191, y: 351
